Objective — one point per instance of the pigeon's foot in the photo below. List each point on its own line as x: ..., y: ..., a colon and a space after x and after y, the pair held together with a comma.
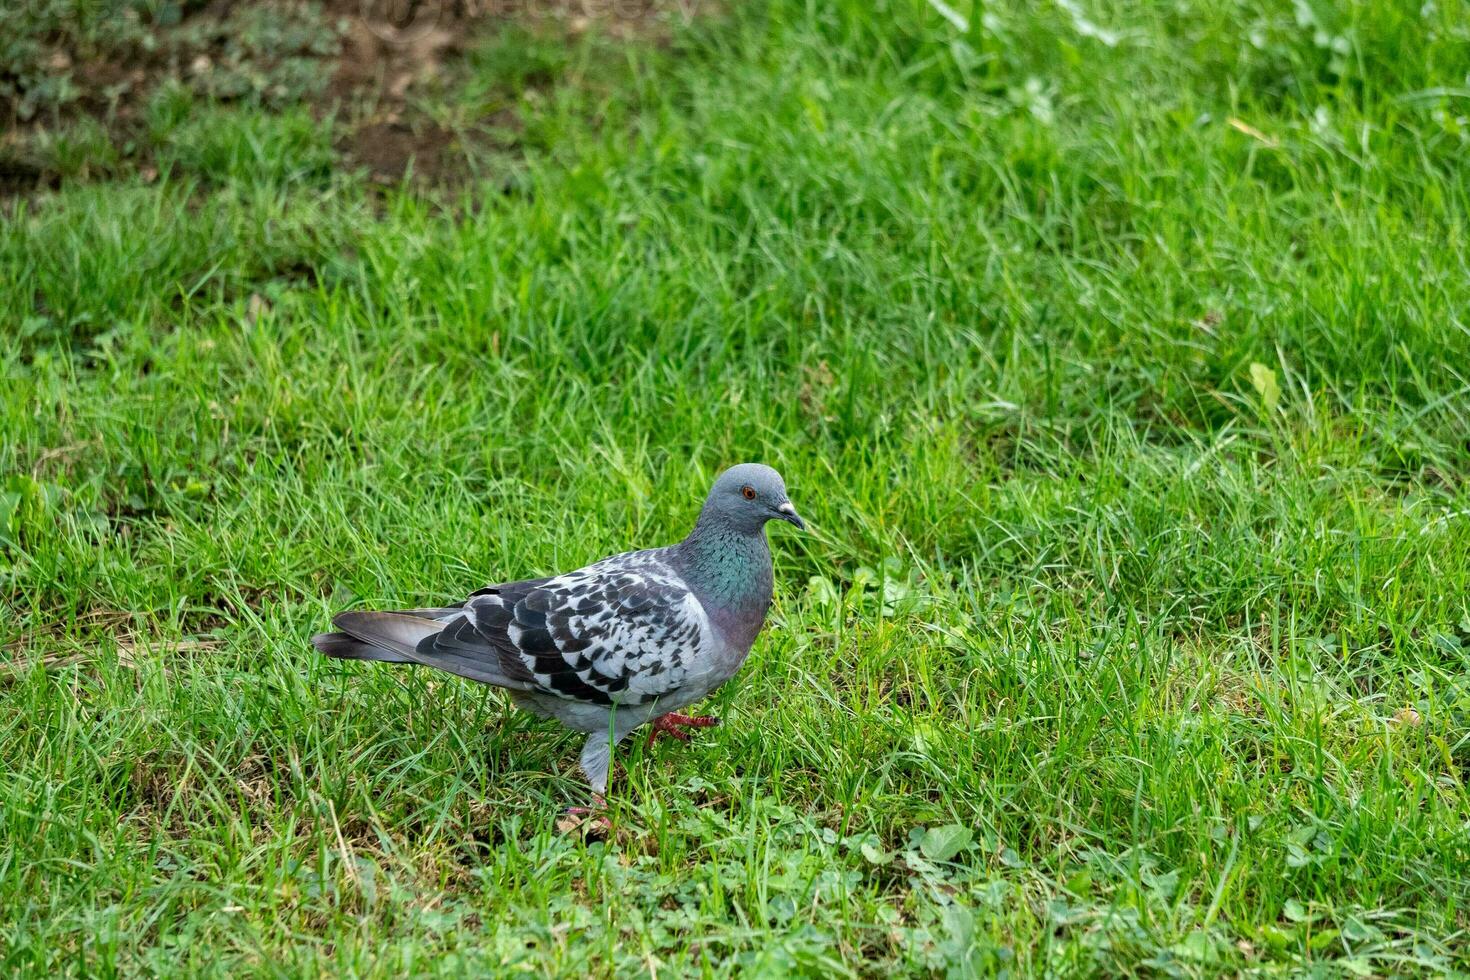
x: 673, y: 724
x: 599, y: 804
x: 589, y: 819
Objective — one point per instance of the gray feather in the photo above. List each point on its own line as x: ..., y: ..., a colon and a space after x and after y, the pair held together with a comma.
x: 412, y: 639
x: 397, y: 632
x: 343, y: 646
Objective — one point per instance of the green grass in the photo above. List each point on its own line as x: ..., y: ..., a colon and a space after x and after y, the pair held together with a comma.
x: 1117, y: 353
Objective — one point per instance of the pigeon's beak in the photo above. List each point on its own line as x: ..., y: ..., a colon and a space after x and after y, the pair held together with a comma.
x: 788, y: 513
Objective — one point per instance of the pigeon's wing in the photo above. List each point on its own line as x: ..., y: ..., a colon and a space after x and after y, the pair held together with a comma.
x: 624, y: 631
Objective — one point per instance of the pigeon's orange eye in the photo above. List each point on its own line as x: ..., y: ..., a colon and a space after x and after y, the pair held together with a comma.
x: 748, y: 493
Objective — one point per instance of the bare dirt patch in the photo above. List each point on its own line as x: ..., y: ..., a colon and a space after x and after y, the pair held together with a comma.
x: 363, y: 63
x: 392, y: 49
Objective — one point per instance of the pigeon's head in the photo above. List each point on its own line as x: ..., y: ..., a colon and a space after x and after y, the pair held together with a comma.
x: 748, y: 495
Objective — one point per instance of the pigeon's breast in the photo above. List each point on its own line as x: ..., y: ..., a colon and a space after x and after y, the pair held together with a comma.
x: 734, y: 632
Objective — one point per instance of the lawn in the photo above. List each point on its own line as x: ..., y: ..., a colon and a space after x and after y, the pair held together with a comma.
x: 1119, y: 354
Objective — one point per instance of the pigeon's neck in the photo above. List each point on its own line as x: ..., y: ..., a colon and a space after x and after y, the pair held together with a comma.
x: 728, y: 565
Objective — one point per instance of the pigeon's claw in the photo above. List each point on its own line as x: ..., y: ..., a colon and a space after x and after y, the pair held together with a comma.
x: 674, y: 724
x: 671, y: 732
x: 589, y: 819
x: 599, y: 804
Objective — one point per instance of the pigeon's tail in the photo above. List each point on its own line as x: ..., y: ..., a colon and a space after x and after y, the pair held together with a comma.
x: 345, y: 646
x: 376, y: 636
x: 417, y: 636
x: 387, y: 636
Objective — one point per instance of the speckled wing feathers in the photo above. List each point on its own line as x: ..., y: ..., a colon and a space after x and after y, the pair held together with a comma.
x: 624, y: 631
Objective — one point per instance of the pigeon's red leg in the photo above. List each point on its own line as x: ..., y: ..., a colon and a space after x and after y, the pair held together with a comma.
x: 593, y: 817
x: 674, y: 724
x: 599, y: 804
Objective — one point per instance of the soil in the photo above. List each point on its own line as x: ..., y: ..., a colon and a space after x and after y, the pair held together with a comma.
x: 20, y: 176
x: 368, y: 57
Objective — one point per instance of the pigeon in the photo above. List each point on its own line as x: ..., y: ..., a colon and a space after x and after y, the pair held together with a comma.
x: 604, y: 649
